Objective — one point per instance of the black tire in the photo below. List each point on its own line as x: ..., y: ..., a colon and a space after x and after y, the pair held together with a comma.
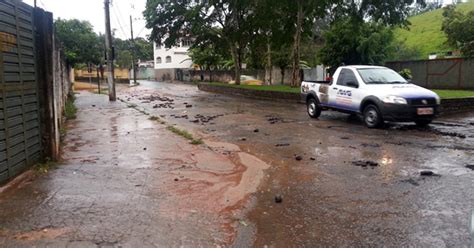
x: 313, y: 108
x: 423, y: 123
x: 372, y: 117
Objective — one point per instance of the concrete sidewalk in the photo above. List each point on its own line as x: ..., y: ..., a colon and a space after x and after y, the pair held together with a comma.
x: 127, y: 181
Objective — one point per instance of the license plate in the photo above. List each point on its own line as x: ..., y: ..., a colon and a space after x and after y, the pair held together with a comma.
x: 425, y: 111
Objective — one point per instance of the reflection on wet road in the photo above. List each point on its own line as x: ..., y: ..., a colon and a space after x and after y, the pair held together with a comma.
x: 330, y: 197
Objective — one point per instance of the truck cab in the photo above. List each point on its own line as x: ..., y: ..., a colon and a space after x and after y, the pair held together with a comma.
x: 377, y: 93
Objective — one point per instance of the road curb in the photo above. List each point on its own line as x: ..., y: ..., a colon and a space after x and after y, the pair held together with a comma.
x: 250, y: 93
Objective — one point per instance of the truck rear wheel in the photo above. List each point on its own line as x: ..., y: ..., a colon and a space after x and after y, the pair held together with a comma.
x: 314, y: 111
x: 372, y: 117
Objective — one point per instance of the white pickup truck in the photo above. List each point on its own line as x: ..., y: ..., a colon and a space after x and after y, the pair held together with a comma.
x: 377, y: 93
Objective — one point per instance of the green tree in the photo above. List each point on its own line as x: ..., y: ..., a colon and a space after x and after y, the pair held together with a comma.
x: 81, y: 44
x: 403, y: 52
x: 352, y: 43
x: 459, y: 29
x: 124, y: 49
x: 143, y: 49
x: 224, y: 20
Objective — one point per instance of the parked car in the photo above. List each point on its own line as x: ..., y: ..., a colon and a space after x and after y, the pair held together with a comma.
x: 248, y: 80
x: 377, y: 93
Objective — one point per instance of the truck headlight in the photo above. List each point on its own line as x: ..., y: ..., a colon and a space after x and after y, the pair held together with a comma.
x: 395, y: 100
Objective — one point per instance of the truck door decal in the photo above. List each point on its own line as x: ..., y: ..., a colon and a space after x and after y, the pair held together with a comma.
x: 344, y: 97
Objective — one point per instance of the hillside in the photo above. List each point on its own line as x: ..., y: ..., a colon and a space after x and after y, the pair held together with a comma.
x: 425, y: 32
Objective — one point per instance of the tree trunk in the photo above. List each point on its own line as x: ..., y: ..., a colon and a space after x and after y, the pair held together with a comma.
x: 282, y: 70
x: 295, y: 79
x: 269, y: 66
x: 237, y: 63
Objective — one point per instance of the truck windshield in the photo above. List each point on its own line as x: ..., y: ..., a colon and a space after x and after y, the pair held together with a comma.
x: 380, y: 76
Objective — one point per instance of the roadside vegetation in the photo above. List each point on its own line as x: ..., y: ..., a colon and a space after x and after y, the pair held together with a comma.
x: 70, y: 110
x: 46, y: 166
x: 449, y: 94
x: 185, y: 134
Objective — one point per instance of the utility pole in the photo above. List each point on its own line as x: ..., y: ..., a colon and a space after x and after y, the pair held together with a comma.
x: 110, y: 52
x: 133, y: 53
x: 35, y: 3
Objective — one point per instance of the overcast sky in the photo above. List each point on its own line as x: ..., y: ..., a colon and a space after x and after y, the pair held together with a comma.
x: 93, y: 11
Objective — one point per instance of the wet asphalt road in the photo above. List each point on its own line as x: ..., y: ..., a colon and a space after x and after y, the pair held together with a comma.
x: 327, y: 200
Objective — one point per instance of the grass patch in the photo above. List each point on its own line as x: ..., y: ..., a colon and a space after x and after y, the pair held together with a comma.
x: 46, y: 167
x: 70, y: 109
x: 185, y: 134
x: 277, y: 88
x: 425, y: 33
x: 449, y: 94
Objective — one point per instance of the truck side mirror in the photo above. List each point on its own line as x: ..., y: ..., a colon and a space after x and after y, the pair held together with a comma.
x: 352, y: 84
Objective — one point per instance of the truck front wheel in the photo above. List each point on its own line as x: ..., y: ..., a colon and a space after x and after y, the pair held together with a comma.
x: 314, y: 111
x: 372, y: 117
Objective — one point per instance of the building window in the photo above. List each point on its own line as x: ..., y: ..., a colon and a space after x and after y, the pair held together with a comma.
x: 187, y: 43
x: 158, y: 60
x: 168, y: 59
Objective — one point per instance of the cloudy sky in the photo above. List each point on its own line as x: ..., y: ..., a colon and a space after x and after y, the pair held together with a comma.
x: 93, y: 11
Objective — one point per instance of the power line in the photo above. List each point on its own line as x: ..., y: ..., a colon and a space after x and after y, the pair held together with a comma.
x: 118, y: 21
x: 44, y: 6
x: 120, y: 13
x: 141, y: 31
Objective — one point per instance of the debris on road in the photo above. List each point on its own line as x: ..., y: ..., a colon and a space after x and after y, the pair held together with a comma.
x: 370, y: 145
x: 299, y: 158
x: 243, y: 223
x: 278, y: 199
x: 206, y: 119
x: 283, y: 144
x: 428, y: 174
x: 256, y: 130
x: 274, y: 119
x: 470, y: 166
x: 365, y: 163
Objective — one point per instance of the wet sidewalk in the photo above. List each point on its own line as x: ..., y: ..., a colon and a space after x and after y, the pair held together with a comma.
x: 125, y: 180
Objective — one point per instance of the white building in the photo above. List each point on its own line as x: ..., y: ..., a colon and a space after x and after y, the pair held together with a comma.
x: 168, y: 61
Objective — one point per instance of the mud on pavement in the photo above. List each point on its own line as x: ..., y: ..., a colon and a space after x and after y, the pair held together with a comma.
x: 126, y: 181
x: 332, y: 182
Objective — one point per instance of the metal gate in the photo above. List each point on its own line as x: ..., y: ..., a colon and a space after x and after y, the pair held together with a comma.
x: 19, y: 115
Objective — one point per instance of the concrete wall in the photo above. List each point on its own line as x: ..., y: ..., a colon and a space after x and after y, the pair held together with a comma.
x: 439, y: 74
x: 144, y: 73
x: 54, y: 84
x: 223, y: 76
x: 119, y: 73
